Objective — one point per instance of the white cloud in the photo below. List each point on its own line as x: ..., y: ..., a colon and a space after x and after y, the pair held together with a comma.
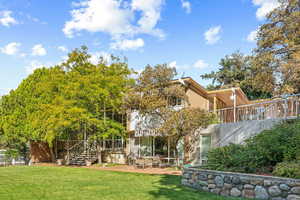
x: 95, y: 57
x: 38, y: 50
x: 99, y: 16
x: 265, y: 7
x: 11, y: 48
x: 62, y: 49
x: 6, y: 19
x: 33, y: 65
x: 200, y: 64
x: 212, y: 35
x: 252, y: 36
x: 186, y: 5
x: 120, y: 19
x: 149, y: 17
x: 128, y: 44
x: 173, y: 64
x: 23, y: 55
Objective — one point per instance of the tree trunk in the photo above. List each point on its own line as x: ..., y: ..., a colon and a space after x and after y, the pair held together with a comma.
x: 52, y: 155
x: 26, y: 153
x: 186, y: 155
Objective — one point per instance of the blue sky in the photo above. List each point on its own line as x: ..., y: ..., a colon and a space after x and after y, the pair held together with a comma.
x: 191, y: 35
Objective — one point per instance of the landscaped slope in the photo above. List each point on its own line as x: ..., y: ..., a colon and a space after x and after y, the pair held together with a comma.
x: 62, y: 183
x: 275, y: 151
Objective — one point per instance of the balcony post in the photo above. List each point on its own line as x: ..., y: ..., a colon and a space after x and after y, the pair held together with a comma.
x: 286, y: 108
x: 215, y: 104
x: 234, y: 104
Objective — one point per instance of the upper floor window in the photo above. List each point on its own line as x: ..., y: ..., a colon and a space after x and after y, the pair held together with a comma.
x: 175, y: 101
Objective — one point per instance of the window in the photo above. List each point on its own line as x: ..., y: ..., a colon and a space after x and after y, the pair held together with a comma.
x: 205, y: 147
x: 175, y: 101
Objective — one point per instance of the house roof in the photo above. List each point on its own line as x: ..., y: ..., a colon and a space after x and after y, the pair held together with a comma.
x: 195, y: 85
x: 225, y: 96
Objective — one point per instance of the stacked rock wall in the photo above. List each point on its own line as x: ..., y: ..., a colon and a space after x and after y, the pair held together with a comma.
x: 242, y: 185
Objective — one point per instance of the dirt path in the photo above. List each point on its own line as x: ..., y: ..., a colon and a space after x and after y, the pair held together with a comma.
x: 125, y: 168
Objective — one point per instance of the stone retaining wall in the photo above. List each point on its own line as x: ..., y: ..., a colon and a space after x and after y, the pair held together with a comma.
x: 242, y: 185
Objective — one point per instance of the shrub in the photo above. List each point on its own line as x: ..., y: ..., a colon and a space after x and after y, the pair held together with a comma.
x: 260, y: 153
x: 225, y: 158
x: 288, y: 169
x: 234, y: 158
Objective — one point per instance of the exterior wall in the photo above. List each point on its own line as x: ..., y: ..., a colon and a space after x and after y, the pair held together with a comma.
x: 40, y: 152
x: 237, y: 133
x: 196, y: 100
x: 224, y: 134
x: 242, y: 185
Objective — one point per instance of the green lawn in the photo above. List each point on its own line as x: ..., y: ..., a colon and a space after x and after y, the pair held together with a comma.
x: 37, y: 183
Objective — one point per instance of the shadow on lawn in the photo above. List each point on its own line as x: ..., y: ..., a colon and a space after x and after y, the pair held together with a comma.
x: 169, y: 187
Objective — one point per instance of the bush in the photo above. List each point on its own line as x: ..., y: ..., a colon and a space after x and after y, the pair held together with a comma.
x: 235, y: 158
x: 261, y: 153
x: 225, y: 158
x: 288, y: 169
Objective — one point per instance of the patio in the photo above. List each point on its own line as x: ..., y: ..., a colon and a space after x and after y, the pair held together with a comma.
x: 150, y: 149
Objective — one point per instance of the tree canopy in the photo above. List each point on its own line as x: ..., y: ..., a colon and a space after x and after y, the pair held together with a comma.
x: 277, y: 56
x: 236, y: 70
x: 274, y: 67
x: 63, y: 100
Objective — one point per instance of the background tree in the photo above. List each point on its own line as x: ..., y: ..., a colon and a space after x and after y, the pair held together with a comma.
x: 275, y: 66
x: 277, y: 56
x: 236, y: 71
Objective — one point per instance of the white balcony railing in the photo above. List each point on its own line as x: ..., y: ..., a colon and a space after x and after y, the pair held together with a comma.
x: 284, y: 107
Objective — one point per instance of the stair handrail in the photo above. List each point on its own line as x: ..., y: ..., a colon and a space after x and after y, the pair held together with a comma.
x: 80, y: 141
x: 70, y: 153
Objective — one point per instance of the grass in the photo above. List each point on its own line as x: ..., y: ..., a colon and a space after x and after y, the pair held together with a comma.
x: 64, y: 183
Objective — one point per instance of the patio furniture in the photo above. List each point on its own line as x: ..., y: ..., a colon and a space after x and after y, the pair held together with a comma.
x: 143, y: 163
x: 148, y: 162
x: 139, y: 163
x: 156, y: 161
x: 168, y: 162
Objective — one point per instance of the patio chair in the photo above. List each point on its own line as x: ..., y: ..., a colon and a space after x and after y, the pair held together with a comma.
x: 156, y: 162
x: 139, y: 163
x: 148, y: 162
